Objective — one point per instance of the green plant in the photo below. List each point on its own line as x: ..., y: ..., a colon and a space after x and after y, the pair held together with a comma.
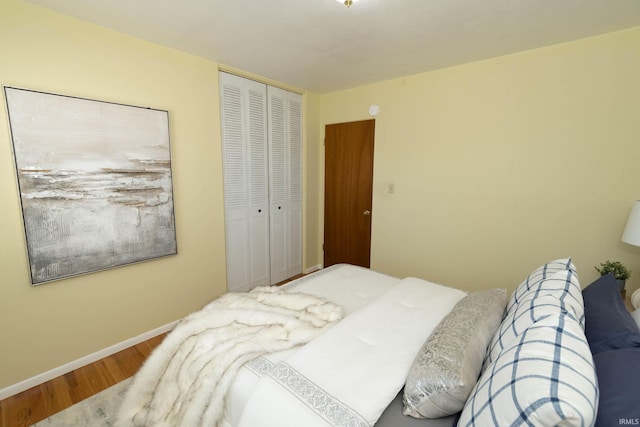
x: 616, y: 267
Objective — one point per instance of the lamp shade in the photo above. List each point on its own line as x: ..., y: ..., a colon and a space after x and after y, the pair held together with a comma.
x: 631, y: 233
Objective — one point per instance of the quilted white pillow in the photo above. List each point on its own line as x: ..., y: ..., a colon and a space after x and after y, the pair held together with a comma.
x: 556, y: 293
x: 545, y: 377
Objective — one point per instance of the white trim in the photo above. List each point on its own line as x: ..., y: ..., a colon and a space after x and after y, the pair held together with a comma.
x: 90, y: 358
x: 313, y: 268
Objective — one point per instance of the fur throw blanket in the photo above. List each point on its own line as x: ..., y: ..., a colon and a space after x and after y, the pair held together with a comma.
x: 185, y: 380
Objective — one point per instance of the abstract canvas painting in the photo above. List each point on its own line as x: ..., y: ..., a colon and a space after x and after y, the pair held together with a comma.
x: 94, y: 180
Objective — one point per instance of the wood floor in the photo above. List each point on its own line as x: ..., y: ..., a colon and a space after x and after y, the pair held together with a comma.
x: 40, y: 402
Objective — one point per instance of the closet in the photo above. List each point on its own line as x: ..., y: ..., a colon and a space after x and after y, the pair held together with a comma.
x: 262, y: 163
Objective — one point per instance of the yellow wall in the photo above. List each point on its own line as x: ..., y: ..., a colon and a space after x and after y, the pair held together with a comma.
x: 503, y: 164
x: 46, y: 326
x: 313, y: 175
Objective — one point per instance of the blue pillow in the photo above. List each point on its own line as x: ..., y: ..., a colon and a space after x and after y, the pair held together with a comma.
x: 608, y: 323
x: 618, y: 377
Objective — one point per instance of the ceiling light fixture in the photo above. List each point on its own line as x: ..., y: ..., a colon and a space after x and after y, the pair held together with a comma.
x: 347, y: 2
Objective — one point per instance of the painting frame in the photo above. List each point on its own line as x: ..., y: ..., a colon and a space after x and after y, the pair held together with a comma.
x: 94, y: 180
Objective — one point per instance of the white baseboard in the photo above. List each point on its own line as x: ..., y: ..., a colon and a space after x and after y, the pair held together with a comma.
x: 90, y: 358
x: 313, y: 268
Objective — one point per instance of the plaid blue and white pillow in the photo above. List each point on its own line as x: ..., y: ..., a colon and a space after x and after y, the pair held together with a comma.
x: 557, y: 293
x: 545, y: 377
x: 533, y: 280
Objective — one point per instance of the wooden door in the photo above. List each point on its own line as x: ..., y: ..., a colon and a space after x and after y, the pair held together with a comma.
x: 348, y: 193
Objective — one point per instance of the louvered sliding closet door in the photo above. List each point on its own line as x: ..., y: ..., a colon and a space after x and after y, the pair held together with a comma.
x: 285, y: 183
x: 244, y: 151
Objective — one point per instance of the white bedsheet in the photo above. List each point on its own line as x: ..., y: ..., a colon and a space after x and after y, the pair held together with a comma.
x: 351, y: 372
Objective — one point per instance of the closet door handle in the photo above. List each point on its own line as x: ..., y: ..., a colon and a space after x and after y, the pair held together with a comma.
x: 366, y: 212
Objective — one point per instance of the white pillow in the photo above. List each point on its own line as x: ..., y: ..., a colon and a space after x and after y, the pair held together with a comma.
x: 635, y: 299
x: 636, y: 316
x: 546, y: 377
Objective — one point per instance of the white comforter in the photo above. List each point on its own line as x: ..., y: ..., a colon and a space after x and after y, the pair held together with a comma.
x: 348, y: 375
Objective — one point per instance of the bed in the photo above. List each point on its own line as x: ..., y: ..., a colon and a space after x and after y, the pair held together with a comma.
x: 348, y: 346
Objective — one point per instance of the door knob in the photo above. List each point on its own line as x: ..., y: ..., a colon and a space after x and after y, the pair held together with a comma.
x: 366, y: 213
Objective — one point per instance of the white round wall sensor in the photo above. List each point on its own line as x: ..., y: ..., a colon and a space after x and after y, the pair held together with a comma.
x: 374, y: 110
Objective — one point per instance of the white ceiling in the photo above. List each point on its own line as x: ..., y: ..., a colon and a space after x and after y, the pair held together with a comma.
x: 322, y: 46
